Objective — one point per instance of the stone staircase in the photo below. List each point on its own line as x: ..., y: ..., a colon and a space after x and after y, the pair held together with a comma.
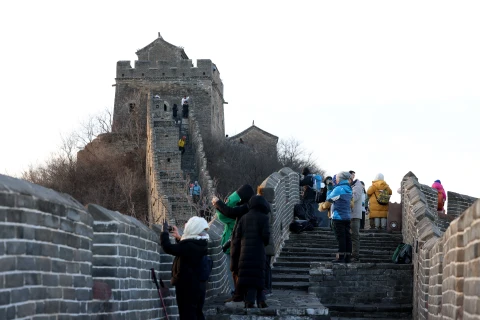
x: 188, y: 158
x: 305, y: 265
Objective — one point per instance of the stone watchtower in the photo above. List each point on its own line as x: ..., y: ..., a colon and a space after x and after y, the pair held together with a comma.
x: 165, y: 70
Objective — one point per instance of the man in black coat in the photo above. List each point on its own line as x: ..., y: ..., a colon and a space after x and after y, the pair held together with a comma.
x: 251, y: 235
x: 188, y: 251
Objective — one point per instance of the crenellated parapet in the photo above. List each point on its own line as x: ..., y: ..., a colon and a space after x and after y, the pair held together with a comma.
x: 166, y: 70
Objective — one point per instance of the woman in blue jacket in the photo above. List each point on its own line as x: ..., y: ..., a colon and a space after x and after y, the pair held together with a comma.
x: 339, y: 199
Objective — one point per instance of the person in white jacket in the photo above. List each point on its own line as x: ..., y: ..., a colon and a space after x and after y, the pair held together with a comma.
x: 356, y: 217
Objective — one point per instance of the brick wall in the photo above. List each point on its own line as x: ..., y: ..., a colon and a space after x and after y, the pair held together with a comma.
x: 365, y: 283
x: 458, y: 203
x: 45, y: 252
x: 446, y: 263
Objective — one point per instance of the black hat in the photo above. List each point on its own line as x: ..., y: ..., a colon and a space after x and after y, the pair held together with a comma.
x: 245, y: 192
x: 306, y: 171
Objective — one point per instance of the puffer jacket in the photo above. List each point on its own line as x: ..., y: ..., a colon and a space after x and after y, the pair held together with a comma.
x: 377, y: 210
x: 252, y: 234
x: 341, y: 197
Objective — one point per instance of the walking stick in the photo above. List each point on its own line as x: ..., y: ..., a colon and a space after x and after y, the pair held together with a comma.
x: 154, y: 279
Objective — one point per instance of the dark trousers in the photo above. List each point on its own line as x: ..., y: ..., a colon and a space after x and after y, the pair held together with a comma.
x: 196, y: 198
x: 185, y: 110
x: 254, y: 294
x: 190, y: 301
x: 362, y: 222
x: 182, y: 149
x: 268, y: 274
x: 344, y: 237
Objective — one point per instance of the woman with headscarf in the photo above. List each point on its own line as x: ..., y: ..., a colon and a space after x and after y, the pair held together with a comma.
x: 378, y: 212
x: 189, y: 251
x: 442, y: 196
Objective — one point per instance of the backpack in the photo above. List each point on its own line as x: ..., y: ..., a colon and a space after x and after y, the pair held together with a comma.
x: 402, y: 254
x: 298, y: 226
x: 383, y: 197
x: 206, y: 266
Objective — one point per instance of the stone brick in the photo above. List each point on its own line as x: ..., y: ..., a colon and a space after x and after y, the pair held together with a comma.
x: 19, y: 295
x: 4, y: 298
x: 25, y: 310
x: 26, y: 263
x: 14, y: 280
x: 50, y: 280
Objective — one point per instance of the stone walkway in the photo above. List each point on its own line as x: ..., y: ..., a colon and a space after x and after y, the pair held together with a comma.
x: 280, y: 306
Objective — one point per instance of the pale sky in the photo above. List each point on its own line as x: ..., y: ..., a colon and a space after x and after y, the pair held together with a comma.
x: 370, y: 86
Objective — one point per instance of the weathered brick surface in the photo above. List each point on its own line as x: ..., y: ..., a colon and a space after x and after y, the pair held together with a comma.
x: 364, y: 283
x: 46, y: 251
x: 446, y: 254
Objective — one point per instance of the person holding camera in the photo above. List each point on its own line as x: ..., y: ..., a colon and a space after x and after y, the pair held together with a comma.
x: 234, y: 208
x: 189, y: 250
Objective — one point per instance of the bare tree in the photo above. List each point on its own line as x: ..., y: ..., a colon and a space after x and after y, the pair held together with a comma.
x: 291, y: 154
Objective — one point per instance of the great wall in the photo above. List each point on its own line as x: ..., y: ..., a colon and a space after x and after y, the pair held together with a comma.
x: 62, y: 260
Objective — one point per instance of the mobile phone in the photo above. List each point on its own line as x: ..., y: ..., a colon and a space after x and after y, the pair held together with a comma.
x: 170, y: 228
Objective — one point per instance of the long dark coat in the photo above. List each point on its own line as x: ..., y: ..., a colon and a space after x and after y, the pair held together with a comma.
x: 251, y: 236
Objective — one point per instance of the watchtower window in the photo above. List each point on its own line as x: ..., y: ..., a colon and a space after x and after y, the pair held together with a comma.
x: 163, y: 73
x: 123, y: 75
x: 131, y: 107
x: 164, y: 107
x: 143, y: 74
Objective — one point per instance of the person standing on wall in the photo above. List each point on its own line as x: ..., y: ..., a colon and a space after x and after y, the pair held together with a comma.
x: 340, y: 199
x: 196, y: 190
x: 185, y: 106
x: 364, y: 206
x: 442, y: 196
x: 181, y: 144
x: 189, y: 251
x: 378, y: 211
x: 356, y: 217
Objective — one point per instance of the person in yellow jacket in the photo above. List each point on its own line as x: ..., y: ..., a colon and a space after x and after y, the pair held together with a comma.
x: 378, y: 212
x: 181, y: 144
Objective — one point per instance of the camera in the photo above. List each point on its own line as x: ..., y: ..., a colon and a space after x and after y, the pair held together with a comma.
x: 170, y: 228
x: 227, y: 245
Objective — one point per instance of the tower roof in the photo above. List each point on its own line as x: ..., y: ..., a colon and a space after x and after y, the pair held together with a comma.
x: 253, y: 128
x: 159, y: 49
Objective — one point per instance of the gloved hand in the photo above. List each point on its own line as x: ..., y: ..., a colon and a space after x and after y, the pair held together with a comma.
x: 165, y: 225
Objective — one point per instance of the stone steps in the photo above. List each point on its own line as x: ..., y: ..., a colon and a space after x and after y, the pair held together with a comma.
x: 373, y: 311
x: 282, y: 305
x: 304, y: 251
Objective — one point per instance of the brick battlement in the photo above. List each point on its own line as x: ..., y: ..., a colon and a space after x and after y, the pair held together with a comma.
x: 167, y: 70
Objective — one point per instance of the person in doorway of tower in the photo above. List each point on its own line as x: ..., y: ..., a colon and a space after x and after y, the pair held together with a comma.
x: 442, y: 196
x: 378, y: 212
x: 181, y: 144
x: 185, y: 106
x: 196, y: 190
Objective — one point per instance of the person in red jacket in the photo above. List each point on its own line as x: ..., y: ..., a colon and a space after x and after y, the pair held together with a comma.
x: 442, y: 196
